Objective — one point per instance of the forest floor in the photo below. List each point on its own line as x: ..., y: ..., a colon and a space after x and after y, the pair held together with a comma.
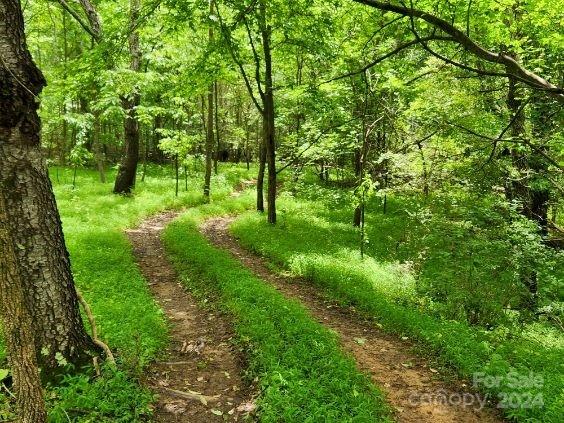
x: 413, y: 388
x: 199, y: 376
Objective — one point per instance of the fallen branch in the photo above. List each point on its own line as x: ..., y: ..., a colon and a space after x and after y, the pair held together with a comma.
x: 191, y: 395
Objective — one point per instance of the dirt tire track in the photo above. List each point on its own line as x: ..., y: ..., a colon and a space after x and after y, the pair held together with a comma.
x: 403, y: 376
x: 201, y: 356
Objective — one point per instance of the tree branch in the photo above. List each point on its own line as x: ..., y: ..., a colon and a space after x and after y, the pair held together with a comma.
x: 93, y: 18
x: 80, y: 20
x: 388, y: 55
x: 512, y: 66
x: 256, y: 57
x: 227, y: 37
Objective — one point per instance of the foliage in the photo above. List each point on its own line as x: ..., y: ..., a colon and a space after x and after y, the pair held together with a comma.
x: 114, y: 397
x: 431, y: 296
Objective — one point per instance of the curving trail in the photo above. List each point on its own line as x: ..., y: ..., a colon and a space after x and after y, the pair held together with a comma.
x: 199, y: 376
x: 412, y: 387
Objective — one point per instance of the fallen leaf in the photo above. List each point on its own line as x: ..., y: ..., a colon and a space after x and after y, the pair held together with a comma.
x: 247, y: 407
x: 217, y: 412
x: 360, y: 341
x: 175, y: 407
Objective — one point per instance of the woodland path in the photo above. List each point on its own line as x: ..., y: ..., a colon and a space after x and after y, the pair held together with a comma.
x: 412, y: 387
x: 199, y: 376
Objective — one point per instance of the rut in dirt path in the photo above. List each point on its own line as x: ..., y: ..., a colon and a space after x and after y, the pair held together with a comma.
x: 199, y: 376
x: 411, y: 386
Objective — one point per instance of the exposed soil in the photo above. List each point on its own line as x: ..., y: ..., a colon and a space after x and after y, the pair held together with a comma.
x: 198, y: 378
x: 414, y: 389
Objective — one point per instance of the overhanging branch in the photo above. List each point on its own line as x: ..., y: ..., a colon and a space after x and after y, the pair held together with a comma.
x: 511, y: 65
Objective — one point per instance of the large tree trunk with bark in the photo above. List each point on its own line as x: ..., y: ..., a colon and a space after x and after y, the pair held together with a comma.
x: 31, y: 220
x: 125, y: 180
x: 17, y: 326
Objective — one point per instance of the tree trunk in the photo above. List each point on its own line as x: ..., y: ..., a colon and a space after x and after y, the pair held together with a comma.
x: 216, y: 118
x: 268, y: 103
x: 98, y: 148
x: 209, y: 144
x: 209, y: 133
x: 260, y: 176
x: 125, y: 180
x: 18, y: 331
x: 31, y: 218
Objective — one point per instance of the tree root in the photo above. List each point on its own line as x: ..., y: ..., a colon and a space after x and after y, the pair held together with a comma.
x: 109, y: 356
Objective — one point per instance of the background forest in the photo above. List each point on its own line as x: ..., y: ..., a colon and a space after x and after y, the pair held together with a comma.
x: 405, y: 172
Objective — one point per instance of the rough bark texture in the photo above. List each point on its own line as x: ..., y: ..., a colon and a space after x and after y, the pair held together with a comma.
x: 31, y: 218
x: 18, y: 331
x: 125, y: 180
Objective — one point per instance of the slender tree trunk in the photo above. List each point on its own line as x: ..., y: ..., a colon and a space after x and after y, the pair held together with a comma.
x: 30, y: 217
x: 145, y: 156
x: 209, y: 132
x: 98, y: 148
x: 125, y: 180
x: 260, y: 177
x: 268, y: 103
x: 209, y: 144
x: 425, y: 171
x: 247, y: 153
x: 176, y: 174
x: 216, y: 118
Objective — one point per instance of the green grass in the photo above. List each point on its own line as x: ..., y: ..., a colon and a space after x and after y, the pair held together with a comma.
x: 105, y: 271
x: 303, y: 375
x: 315, y: 239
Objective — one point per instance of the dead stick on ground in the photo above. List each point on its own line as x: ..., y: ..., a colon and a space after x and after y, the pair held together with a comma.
x: 109, y: 356
x: 191, y: 395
